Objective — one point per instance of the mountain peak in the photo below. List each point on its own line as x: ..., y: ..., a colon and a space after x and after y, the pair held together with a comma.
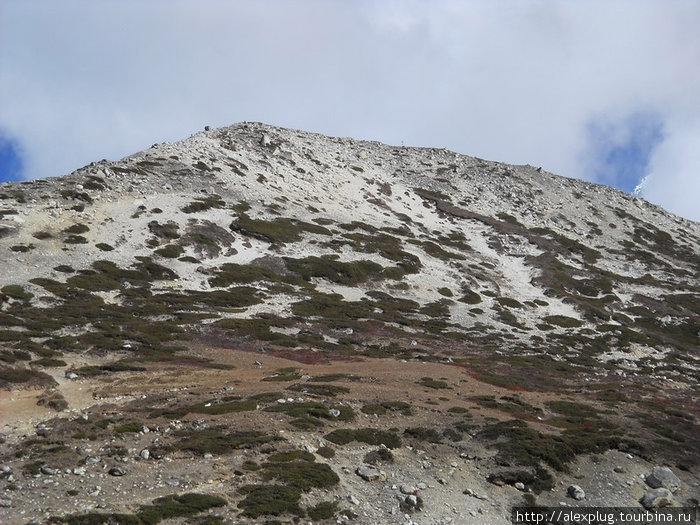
x: 482, y: 309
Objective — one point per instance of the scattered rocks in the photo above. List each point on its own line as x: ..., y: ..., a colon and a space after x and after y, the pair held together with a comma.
x: 575, y: 492
x: 663, y: 477
x: 656, y: 498
x: 370, y: 473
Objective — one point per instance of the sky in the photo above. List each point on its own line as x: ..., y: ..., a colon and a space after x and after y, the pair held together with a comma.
x: 602, y: 90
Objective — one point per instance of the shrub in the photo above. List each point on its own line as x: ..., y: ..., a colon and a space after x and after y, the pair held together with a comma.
x: 171, y: 251
x: 383, y: 407
x: 270, y: 500
x: 380, y: 455
x: 326, y: 452
x: 303, y: 475
x: 291, y: 455
x: 175, y: 506
x: 563, y: 321
x: 214, y: 441
x: 423, y: 434
x: 370, y: 436
x: 433, y: 383
x: 323, y: 511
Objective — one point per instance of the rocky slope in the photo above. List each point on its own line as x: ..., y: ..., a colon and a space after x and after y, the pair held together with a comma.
x: 278, y: 305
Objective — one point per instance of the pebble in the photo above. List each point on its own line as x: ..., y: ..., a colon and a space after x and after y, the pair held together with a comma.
x: 79, y: 471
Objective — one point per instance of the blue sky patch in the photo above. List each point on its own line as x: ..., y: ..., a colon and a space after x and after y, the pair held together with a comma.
x: 11, y: 164
x: 620, y: 151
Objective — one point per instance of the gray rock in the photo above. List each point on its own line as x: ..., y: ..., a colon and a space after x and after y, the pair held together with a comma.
x: 575, y: 492
x: 71, y: 375
x: 370, y: 473
x: 519, y: 485
x: 5, y: 503
x: 334, y: 412
x: 92, y: 460
x: 656, y: 498
x: 407, y: 489
x: 48, y: 470
x: 352, y: 499
x: 145, y: 454
x: 663, y: 477
x: 412, y: 500
x: 117, y: 471
x: 79, y: 471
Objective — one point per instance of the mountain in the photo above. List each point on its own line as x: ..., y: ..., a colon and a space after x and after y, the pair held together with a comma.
x: 259, y: 323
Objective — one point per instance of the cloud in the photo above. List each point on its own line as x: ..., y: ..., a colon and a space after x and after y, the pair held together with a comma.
x: 518, y: 81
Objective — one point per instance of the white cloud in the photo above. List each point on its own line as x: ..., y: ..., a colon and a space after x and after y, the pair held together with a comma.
x: 518, y: 81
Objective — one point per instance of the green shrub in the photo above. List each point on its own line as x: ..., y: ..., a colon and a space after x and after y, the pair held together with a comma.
x: 77, y: 229
x: 323, y: 511
x: 383, y: 407
x: 204, y: 203
x: 380, y: 455
x: 75, y: 239
x: 563, y: 321
x: 291, y: 455
x: 433, y: 383
x: 370, y: 436
x: 303, y: 475
x: 326, y: 452
x: 171, y: 251
x: 270, y: 500
x: 104, y: 247
x: 424, y: 434
x: 16, y: 291
x: 214, y: 441
x: 49, y: 362
x: 176, y: 506
x: 280, y: 230
x: 132, y: 426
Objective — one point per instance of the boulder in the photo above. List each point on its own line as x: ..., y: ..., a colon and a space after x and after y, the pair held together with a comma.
x: 656, y: 498
x: 576, y: 492
x: 370, y: 473
x: 663, y: 477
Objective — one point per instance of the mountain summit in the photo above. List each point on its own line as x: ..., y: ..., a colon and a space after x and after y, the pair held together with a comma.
x: 290, y: 309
